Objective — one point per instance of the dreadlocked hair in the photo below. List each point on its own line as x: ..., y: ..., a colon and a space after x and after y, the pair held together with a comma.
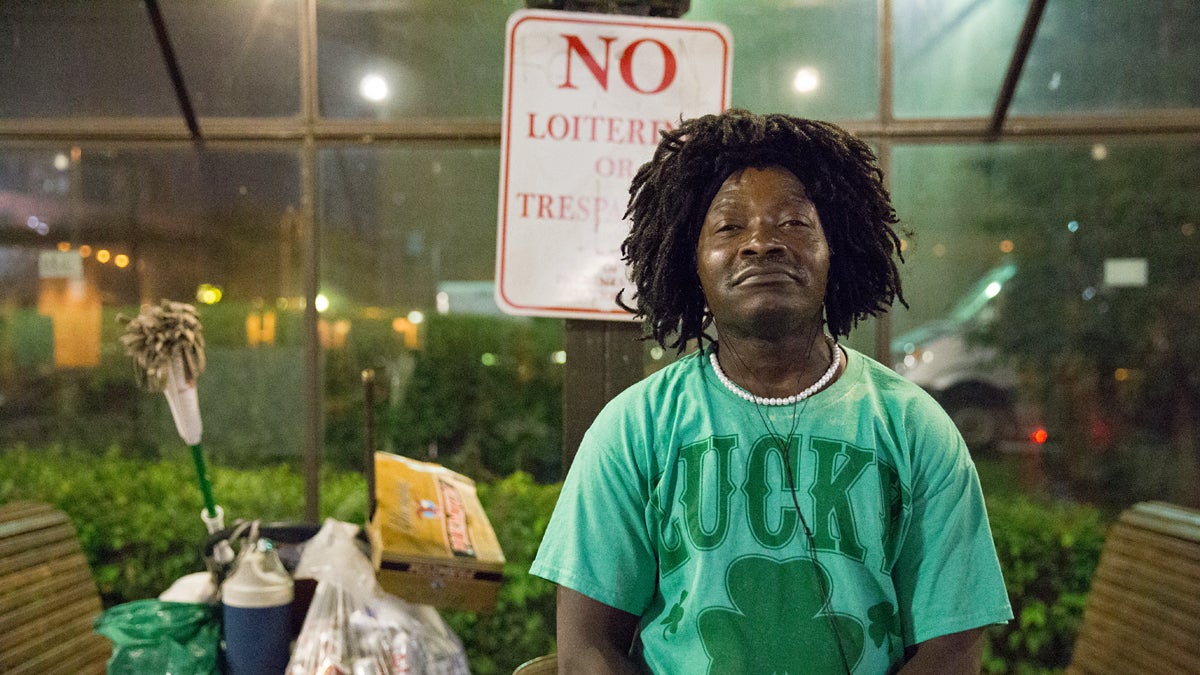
x: 670, y: 196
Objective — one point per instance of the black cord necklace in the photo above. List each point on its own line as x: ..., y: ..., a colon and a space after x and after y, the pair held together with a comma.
x: 784, y: 448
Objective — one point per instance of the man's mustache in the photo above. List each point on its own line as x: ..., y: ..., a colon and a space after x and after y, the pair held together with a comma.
x: 752, y: 270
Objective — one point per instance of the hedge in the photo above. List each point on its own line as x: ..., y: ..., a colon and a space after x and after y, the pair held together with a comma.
x: 140, y: 527
x: 139, y: 524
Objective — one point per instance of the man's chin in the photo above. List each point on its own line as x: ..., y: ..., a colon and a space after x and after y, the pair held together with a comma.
x: 772, y: 321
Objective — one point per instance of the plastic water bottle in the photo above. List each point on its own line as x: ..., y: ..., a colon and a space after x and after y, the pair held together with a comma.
x: 258, y: 603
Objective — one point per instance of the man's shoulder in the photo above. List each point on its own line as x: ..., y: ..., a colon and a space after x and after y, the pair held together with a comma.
x: 683, y: 372
x: 656, y: 394
x: 892, y: 390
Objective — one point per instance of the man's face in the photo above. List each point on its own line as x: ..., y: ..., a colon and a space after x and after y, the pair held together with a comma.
x: 761, y: 256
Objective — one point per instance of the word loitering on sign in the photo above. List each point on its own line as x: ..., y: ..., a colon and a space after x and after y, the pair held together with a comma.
x: 586, y: 97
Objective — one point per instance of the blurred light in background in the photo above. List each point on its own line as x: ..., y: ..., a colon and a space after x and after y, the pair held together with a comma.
x: 207, y: 294
x: 373, y: 88
x: 807, y: 80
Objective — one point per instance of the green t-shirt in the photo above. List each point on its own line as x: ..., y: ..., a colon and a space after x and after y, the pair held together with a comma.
x: 677, y: 510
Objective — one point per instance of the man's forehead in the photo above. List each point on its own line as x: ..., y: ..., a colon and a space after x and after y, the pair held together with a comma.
x: 791, y: 186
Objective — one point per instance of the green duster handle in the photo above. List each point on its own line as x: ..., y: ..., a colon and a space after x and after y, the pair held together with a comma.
x: 210, y: 506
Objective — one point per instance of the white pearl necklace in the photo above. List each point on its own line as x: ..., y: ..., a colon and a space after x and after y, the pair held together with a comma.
x: 787, y: 400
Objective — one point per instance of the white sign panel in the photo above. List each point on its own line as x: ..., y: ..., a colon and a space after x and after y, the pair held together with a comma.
x: 585, y: 97
x: 60, y: 265
x: 1126, y: 272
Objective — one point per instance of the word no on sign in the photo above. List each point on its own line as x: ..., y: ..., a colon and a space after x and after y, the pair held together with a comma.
x: 585, y: 97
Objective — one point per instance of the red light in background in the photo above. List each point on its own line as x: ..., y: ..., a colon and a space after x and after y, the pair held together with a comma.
x: 1039, y: 436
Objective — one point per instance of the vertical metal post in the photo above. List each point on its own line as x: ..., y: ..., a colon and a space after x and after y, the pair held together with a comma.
x: 886, y: 64
x: 603, y: 358
x: 368, y: 380
x: 883, y: 322
x: 314, y: 392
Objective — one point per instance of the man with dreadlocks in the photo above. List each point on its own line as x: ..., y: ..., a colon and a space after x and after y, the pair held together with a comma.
x: 772, y: 502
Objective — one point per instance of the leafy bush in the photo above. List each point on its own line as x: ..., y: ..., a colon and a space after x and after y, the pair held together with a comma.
x: 1048, y: 551
x: 139, y: 521
x: 484, y: 398
x: 523, y: 624
x: 139, y: 524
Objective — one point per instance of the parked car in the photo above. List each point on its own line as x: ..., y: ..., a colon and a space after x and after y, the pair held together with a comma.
x: 970, y: 380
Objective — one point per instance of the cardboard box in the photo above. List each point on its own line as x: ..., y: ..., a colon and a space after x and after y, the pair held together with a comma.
x: 431, y: 541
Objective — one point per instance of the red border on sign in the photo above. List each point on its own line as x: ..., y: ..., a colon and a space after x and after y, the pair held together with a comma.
x: 536, y: 310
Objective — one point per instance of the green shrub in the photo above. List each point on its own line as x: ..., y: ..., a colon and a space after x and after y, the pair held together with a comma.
x: 139, y: 521
x: 522, y: 626
x: 1048, y: 551
x: 482, y: 420
x: 139, y: 524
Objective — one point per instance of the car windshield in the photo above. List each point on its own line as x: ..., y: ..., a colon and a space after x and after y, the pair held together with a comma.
x: 984, y: 290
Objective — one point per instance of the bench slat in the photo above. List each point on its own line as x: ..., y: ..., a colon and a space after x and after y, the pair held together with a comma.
x: 23, y: 516
x: 61, y: 549
x: 1157, y: 625
x: 1166, y: 580
x: 1166, y: 519
x: 91, y: 660
x: 32, y: 540
x: 1143, y: 612
x: 35, y: 636
x: 1153, y: 544
x: 48, y: 599
x: 1117, y: 646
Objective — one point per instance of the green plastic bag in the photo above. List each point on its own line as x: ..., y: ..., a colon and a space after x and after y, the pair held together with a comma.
x: 153, y: 637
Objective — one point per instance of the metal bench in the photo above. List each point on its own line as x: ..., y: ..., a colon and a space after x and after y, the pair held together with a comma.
x: 1143, y: 612
x: 48, y: 599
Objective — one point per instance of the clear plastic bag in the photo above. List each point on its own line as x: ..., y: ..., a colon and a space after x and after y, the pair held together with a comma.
x: 354, y: 628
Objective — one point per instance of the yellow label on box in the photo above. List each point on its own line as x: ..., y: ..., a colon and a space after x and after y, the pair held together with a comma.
x: 432, y: 542
x: 426, y: 510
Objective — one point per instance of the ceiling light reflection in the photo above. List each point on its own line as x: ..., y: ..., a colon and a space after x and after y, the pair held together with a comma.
x: 373, y: 87
x: 807, y: 80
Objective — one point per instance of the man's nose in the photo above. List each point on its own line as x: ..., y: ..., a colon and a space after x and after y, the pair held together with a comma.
x: 761, y: 239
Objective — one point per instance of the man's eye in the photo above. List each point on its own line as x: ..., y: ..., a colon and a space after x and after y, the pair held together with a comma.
x: 795, y: 222
x: 727, y: 227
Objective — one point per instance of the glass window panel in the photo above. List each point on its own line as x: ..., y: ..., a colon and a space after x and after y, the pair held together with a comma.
x: 817, y: 59
x: 408, y: 250
x: 950, y: 56
x: 89, y: 233
x: 239, y: 59
x: 1112, y: 56
x: 447, y: 60
x: 1094, y: 321
x: 1088, y: 56
x: 397, y: 222
x: 425, y: 58
x: 61, y: 59
x: 64, y: 59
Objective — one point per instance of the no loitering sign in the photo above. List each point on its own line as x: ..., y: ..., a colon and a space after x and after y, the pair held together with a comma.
x: 585, y: 97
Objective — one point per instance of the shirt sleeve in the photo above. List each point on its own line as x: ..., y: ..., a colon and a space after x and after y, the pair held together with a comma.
x: 947, y: 576
x: 597, y: 541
